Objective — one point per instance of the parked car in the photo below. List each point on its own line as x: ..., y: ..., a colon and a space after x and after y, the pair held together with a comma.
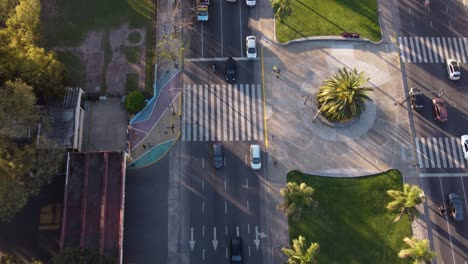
x: 453, y: 69
x: 251, y: 47
x: 255, y: 159
x: 250, y: 3
x: 440, y: 111
x: 416, y: 98
x: 236, y: 250
x: 231, y: 70
x: 456, y: 208
x: 218, y: 156
x: 464, y: 143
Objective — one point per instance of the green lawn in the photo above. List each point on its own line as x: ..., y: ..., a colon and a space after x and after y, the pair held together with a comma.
x: 308, y: 18
x: 351, y: 223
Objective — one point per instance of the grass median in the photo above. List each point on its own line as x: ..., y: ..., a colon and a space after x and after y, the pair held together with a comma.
x: 351, y: 222
x: 308, y: 18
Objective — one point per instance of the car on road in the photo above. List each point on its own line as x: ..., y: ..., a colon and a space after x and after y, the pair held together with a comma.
x: 456, y: 208
x: 440, y: 110
x: 231, y: 70
x: 416, y: 98
x: 250, y: 3
x: 236, y: 250
x: 218, y: 158
x: 251, y: 47
x: 453, y: 69
x: 255, y: 159
x: 464, y: 143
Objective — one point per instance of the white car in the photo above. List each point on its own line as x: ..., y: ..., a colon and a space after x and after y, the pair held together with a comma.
x: 255, y: 158
x: 464, y: 142
x: 250, y: 3
x: 453, y: 69
x: 251, y: 46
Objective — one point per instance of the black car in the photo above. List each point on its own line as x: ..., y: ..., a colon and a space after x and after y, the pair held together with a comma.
x: 456, y: 208
x: 231, y: 70
x: 416, y: 98
x: 236, y: 250
x: 218, y: 159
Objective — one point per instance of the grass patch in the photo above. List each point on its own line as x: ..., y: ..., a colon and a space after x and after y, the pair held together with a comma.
x: 132, y: 54
x: 351, y: 223
x: 131, y: 82
x: 75, y: 71
x: 329, y: 18
x: 134, y: 37
x: 71, y: 20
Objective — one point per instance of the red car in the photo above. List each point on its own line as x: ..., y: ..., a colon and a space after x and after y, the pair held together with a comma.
x: 440, y: 111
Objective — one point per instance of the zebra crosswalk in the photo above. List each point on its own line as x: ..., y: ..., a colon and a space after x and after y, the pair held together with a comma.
x: 433, y: 49
x: 222, y: 112
x: 440, y: 153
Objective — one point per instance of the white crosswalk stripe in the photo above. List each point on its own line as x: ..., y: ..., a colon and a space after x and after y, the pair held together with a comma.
x: 432, y: 49
x: 220, y: 112
x: 439, y: 153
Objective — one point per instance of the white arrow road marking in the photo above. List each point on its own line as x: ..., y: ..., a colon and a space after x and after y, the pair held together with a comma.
x: 215, y: 241
x: 203, y: 229
x: 191, y: 242
x: 262, y: 235
x: 203, y: 163
x: 203, y: 254
x: 256, y: 240
x: 203, y: 206
x: 248, y: 228
x: 225, y: 228
x: 203, y: 184
x: 224, y: 184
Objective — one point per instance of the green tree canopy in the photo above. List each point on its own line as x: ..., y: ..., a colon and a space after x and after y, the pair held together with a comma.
x: 342, y: 97
x: 417, y: 250
x: 135, y: 102
x: 300, y: 253
x: 296, y: 197
x: 405, y: 201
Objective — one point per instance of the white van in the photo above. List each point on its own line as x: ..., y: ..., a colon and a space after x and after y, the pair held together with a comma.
x: 255, y: 159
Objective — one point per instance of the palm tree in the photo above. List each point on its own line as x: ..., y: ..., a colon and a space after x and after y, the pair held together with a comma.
x: 405, y: 201
x: 280, y: 6
x: 300, y: 254
x: 417, y: 250
x: 342, y: 97
x: 296, y: 197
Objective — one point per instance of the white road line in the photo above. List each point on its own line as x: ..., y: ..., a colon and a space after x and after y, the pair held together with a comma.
x: 466, y: 47
x: 455, y: 45
x: 200, y: 112
x: 451, y: 50
x: 406, y: 49
x: 203, y: 184
x: 212, y: 94
x: 440, y: 50
x: 418, y: 151
x: 226, y: 252
x: 446, y: 221
x: 225, y: 184
x: 189, y: 115
x: 248, y: 119
x: 225, y: 229
x: 429, y: 49
x: 455, y: 159
x: 254, y: 113
x: 222, y: 41
x: 203, y: 254
x: 203, y: 163
x: 418, y: 46
x: 225, y: 113
x: 225, y: 207
x: 242, y: 112
x: 207, y: 119
x: 222, y: 59
x: 240, y: 31
x: 413, y: 50
x: 219, y: 114
x: 436, y: 151
x: 447, y: 153
x: 442, y: 175
x: 260, y: 111
x: 462, y: 158
x: 203, y: 207
x: 184, y: 112
x: 424, y: 147
x: 445, y: 48
x: 462, y: 49
x: 248, y: 207
x: 236, y: 111
x: 194, y: 111
x: 203, y: 230
x: 430, y: 149
x: 237, y: 231
x: 231, y: 117
x: 402, y: 53
x: 423, y: 48
x: 434, y: 50
x: 464, y: 194
x: 202, y: 53
x: 248, y: 229
x: 249, y: 250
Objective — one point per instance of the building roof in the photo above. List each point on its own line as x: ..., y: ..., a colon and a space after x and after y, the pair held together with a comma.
x: 70, y: 99
x: 93, y: 204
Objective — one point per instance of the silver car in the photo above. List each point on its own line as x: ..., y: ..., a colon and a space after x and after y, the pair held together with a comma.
x: 453, y: 69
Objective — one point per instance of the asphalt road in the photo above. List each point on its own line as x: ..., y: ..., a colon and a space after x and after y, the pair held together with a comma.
x: 427, y: 37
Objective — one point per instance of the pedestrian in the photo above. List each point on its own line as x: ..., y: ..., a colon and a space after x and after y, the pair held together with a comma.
x: 275, y: 163
x: 275, y: 68
x: 144, y: 146
x: 277, y: 75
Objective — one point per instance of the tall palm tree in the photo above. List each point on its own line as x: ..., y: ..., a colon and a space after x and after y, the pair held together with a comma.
x: 417, y: 250
x: 296, y: 197
x: 343, y: 97
x: 300, y: 253
x: 405, y: 201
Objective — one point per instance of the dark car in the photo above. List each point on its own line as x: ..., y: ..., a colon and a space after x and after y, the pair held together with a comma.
x: 440, y: 111
x: 218, y: 159
x: 236, y: 250
x: 231, y: 70
x: 456, y: 208
x: 416, y: 98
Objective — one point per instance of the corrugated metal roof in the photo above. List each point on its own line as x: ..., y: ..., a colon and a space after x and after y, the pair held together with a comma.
x: 69, y: 100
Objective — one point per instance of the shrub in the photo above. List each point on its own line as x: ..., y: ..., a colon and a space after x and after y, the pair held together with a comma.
x: 135, y: 102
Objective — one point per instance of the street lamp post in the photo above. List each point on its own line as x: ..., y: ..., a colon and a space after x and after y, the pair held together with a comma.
x: 170, y: 98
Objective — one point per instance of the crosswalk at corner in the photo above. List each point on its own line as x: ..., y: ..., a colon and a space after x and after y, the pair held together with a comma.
x: 432, y: 49
x: 440, y: 153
